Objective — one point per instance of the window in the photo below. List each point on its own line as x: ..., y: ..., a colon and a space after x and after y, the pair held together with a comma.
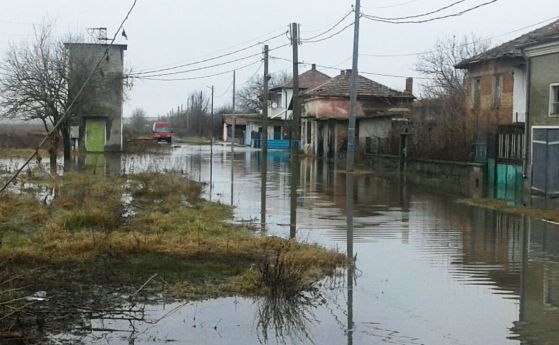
x: 497, y: 91
x: 476, y: 86
x: 554, y: 100
x: 309, y: 134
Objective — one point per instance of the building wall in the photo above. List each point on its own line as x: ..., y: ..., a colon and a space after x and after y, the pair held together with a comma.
x: 103, y: 95
x: 488, y: 115
x: 544, y: 70
x: 519, y: 91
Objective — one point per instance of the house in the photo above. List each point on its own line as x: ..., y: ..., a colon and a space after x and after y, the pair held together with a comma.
x: 325, y: 114
x: 280, y: 113
x: 97, y: 112
x: 543, y: 111
x: 510, y: 105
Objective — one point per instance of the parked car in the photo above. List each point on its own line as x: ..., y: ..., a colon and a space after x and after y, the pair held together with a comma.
x: 162, y: 131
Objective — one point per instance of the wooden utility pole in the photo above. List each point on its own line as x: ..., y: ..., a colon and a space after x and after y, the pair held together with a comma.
x: 295, y: 131
x: 264, y: 144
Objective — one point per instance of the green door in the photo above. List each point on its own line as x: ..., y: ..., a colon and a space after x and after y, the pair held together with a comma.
x: 94, y: 135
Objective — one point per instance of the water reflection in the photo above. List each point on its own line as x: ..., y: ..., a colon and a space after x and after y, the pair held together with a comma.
x: 430, y: 270
x: 288, y: 317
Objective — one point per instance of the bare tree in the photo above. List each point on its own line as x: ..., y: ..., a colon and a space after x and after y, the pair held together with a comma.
x: 250, y: 96
x: 34, y: 85
x: 195, y: 119
x: 446, y: 135
x: 139, y: 121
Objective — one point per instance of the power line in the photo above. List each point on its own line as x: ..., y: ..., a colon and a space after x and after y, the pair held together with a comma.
x: 135, y: 75
x: 212, y: 58
x: 363, y: 72
x: 78, y: 94
x: 329, y: 29
x: 464, y: 44
x: 194, y: 78
x: 457, y: 14
x: 332, y: 35
x: 423, y: 14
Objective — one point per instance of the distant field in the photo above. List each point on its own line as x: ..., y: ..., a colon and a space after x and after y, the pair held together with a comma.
x: 20, y: 136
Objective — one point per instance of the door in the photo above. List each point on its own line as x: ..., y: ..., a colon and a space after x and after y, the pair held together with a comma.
x: 95, y: 134
x: 545, y: 160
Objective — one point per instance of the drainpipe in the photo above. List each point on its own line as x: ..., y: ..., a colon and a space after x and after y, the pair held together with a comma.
x: 527, y: 132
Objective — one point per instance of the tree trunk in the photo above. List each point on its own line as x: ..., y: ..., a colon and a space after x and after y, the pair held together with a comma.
x: 67, y: 143
x: 53, y: 152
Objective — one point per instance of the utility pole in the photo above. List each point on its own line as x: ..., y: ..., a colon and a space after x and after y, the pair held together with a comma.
x: 264, y: 144
x: 233, y: 110
x: 295, y: 131
x: 211, y: 142
x: 350, y: 169
x: 353, y: 95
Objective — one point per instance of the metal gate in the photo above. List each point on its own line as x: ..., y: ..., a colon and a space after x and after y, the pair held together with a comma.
x: 504, y: 163
x: 545, y: 160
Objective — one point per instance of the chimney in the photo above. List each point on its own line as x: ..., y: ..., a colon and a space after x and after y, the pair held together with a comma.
x: 348, y: 72
x: 313, y: 67
x: 409, y: 86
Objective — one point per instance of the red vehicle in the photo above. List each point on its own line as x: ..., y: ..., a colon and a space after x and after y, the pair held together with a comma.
x: 162, y: 131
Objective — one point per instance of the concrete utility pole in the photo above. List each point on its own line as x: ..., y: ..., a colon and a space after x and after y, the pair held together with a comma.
x: 211, y: 142
x: 353, y: 95
x: 349, y: 170
x: 234, y: 92
x: 264, y: 144
x: 295, y: 131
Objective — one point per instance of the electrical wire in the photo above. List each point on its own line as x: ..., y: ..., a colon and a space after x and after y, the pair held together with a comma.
x: 332, y: 35
x: 423, y: 14
x: 135, y: 75
x: 329, y: 29
x: 464, y: 44
x: 211, y: 58
x: 195, y: 78
x: 195, y: 69
x: 457, y: 14
x: 362, y: 72
x: 78, y: 94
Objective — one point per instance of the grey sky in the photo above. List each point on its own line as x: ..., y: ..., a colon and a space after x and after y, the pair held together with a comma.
x: 164, y: 33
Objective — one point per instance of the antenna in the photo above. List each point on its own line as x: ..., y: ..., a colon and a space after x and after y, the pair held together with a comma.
x: 99, y: 34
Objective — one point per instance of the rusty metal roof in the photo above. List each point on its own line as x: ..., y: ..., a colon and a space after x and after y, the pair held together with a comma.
x: 513, y: 49
x: 309, y: 79
x: 340, y: 86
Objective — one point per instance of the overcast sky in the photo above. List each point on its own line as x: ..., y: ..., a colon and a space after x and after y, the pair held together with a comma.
x: 165, y: 33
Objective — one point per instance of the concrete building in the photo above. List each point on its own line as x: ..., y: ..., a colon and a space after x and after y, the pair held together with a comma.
x: 514, y: 97
x: 326, y: 111
x: 98, y: 110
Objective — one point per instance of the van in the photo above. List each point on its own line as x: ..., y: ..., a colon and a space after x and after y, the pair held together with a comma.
x: 162, y: 131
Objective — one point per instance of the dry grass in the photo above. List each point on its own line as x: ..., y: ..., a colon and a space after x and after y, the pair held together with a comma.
x: 504, y: 206
x: 85, y: 224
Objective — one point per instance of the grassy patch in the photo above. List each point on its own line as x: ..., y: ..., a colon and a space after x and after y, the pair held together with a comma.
x: 171, y: 223
x: 504, y: 206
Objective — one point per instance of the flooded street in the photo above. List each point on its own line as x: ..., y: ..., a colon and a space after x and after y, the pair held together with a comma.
x: 429, y: 269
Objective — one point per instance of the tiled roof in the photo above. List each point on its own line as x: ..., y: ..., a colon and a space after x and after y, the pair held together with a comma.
x: 513, y: 49
x: 340, y: 86
x: 307, y: 80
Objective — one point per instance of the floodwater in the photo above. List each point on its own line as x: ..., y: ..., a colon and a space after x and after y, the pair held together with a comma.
x: 429, y: 270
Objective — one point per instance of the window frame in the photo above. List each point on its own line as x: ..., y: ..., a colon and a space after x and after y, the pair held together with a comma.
x: 552, y: 101
x: 476, y: 93
x: 497, y: 96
